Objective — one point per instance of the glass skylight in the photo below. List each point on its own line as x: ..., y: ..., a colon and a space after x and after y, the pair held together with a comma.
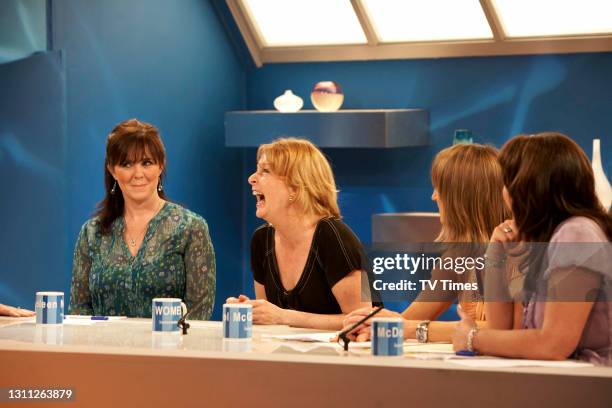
x: 531, y: 18
x: 305, y: 22
x: 427, y: 20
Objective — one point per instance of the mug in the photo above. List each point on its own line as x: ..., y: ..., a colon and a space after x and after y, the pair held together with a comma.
x: 165, y: 313
x: 388, y: 336
x: 49, y: 307
x: 237, y: 321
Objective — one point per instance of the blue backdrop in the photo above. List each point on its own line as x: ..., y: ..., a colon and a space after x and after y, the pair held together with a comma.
x: 169, y: 63
x: 181, y: 65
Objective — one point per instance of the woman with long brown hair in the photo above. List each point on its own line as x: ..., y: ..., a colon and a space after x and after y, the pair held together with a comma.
x: 563, y: 234
x: 467, y: 181
x: 140, y: 246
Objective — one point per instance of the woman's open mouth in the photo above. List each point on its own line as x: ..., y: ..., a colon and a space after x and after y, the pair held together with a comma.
x: 261, y: 199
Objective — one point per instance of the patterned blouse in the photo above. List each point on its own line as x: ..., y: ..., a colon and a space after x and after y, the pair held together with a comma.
x: 176, y: 259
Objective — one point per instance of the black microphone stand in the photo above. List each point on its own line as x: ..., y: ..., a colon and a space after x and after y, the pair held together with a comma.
x: 343, y: 335
x: 182, y: 323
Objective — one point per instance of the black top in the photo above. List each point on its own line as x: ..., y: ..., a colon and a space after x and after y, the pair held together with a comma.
x: 334, y: 253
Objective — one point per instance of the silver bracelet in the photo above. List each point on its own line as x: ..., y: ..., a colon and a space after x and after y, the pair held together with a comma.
x: 470, y: 338
x: 494, y: 263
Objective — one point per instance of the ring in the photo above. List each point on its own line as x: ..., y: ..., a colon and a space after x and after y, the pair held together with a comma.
x: 506, y: 229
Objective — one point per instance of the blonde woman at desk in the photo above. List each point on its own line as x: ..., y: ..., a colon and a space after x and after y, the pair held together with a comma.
x: 306, y: 262
x: 550, y: 187
x: 467, y: 181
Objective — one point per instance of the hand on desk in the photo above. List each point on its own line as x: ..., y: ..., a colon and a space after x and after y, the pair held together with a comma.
x: 362, y: 333
x: 239, y: 299
x: 264, y: 312
x: 460, y: 336
x: 11, y: 311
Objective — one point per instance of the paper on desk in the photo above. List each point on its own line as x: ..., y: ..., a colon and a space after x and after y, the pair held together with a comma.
x: 508, y: 362
x: 435, y: 348
x: 307, y: 337
x: 323, y: 339
x: 410, y: 346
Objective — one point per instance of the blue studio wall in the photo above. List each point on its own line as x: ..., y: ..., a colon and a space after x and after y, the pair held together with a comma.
x: 169, y: 63
x: 33, y: 174
x: 23, y: 28
x: 495, y: 97
x: 180, y: 66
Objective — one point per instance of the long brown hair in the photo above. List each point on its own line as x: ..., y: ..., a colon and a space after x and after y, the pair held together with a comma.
x: 468, y: 179
x: 306, y: 170
x: 549, y: 179
x: 129, y: 140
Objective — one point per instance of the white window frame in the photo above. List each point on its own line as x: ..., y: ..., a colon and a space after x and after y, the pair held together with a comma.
x: 374, y: 50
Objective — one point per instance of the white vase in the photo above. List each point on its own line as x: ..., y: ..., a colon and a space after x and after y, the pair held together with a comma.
x: 602, y: 185
x: 288, y: 102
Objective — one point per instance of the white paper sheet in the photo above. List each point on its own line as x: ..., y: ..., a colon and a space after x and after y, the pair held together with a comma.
x: 485, y: 362
x: 325, y: 337
x: 430, y: 348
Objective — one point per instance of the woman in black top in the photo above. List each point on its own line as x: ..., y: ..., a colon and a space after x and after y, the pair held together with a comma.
x: 306, y: 262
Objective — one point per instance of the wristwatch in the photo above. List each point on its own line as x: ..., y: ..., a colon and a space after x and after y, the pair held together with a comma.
x: 422, y: 330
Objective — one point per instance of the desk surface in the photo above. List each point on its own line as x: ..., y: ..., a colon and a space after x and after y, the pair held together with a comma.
x: 128, y: 344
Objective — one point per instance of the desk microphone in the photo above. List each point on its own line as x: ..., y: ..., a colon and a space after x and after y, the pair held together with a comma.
x: 182, y: 321
x: 344, y: 333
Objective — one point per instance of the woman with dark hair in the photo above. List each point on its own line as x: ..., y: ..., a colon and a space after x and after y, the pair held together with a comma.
x: 139, y: 246
x: 562, y: 233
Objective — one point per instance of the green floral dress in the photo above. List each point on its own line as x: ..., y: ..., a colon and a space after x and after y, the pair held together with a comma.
x: 176, y: 259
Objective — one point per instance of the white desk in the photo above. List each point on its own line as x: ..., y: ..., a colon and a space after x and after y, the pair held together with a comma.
x: 121, y: 363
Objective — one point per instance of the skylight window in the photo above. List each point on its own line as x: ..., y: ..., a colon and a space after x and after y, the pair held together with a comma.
x: 529, y: 18
x: 427, y: 20
x: 283, y: 23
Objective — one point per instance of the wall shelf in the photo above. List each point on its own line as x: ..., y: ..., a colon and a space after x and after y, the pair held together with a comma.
x: 363, y: 128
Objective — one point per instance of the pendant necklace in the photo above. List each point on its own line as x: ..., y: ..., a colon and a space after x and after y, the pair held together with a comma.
x: 133, y: 240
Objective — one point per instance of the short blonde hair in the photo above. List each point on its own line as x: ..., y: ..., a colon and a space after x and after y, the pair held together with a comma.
x: 306, y: 170
x: 469, y: 181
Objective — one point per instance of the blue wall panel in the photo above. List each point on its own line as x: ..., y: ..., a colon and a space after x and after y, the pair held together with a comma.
x: 23, y: 28
x: 32, y: 169
x: 495, y: 97
x: 169, y: 63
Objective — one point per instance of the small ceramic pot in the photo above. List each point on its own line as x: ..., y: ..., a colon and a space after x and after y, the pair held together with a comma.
x: 327, y: 96
x: 288, y: 102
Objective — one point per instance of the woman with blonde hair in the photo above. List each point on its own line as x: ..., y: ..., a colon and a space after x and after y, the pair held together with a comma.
x: 306, y: 262
x: 468, y: 183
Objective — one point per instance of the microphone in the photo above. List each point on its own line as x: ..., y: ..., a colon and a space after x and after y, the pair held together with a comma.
x: 182, y: 321
x: 343, y: 335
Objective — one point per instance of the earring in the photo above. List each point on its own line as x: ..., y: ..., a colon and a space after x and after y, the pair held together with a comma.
x: 114, y: 189
x: 160, y: 187
x: 291, y: 198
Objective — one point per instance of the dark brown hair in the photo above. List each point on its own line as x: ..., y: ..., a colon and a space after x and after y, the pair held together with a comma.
x: 129, y: 140
x: 549, y: 179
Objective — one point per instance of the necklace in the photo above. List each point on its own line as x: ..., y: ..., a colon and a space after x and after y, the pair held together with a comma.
x: 132, y: 240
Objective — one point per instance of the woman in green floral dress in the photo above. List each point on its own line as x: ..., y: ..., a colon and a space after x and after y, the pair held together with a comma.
x: 139, y: 246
